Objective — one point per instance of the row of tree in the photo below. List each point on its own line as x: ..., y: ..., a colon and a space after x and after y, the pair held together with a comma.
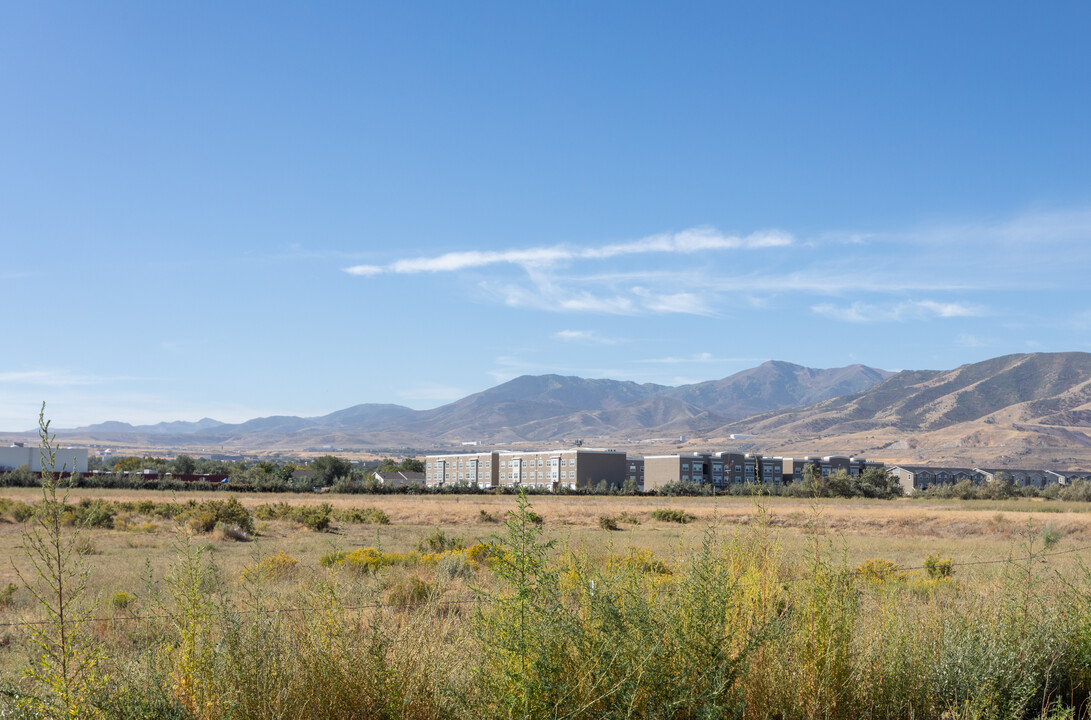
x: 322, y: 472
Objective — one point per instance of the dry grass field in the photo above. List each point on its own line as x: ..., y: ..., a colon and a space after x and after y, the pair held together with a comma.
x: 903, y: 531
x: 775, y: 563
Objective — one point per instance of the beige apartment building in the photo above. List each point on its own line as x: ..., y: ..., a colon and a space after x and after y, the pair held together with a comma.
x: 547, y: 470
x: 475, y: 469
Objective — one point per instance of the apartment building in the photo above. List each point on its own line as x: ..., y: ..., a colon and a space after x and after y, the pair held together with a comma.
x: 480, y: 469
x: 1026, y: 478
x: 915, y: 478
x: 717, y: 469
x: 920, y: 477
x: 548, y: 470
x: 826, y: 465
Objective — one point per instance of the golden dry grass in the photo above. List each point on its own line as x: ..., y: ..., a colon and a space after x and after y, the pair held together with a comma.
x: 847, y: 532
x: 904, y: 531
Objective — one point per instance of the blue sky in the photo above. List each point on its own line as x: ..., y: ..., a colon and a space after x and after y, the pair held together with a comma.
x: 243, y: 209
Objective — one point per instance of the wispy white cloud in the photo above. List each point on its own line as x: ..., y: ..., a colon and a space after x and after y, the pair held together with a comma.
x: 584, y: 336
x: 685, y: 242
x: 575, y: 335
x: 820, y: 280
x: 684, y: 302
x: 859, y: 312
x: 945, y: 310
x: 891, y: 266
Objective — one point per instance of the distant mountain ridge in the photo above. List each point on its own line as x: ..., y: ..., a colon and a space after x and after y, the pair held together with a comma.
x: 1012, y: 411
x: 177, y: 427
x: 1042, y: 388
x: 545, y: 407
x: 777, y: 383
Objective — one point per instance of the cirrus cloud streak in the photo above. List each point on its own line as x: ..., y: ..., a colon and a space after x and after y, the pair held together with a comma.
x: 685, y: 242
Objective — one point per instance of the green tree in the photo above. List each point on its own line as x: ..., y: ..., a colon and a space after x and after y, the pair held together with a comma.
x: 1002, y: 486
x: 810, y: 481
x: 184, y: 465
x: 129, y: 464
x: 841, y: 484
x: 412, y: 465
x: 876, y: 482
x: 328, y: 469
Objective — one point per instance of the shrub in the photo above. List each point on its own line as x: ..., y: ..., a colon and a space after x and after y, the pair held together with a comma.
x: 22, y: 511
x: 365, y: 560
x: 1051, y: 536
x: 685, y: 489
x: 333, y: 558
x: 312, y: 517
x: 878, y: 570
x: 641, y: 561
x: 19, y: 477
x: 204, y: 522
x: 938, y: 568
x: 97, y: 514
x: 607, y: 522
x: 608, y: 645
x: 7, y: 595
x: 84, y: 546
x: 230, y: 512
x: 455, y: 565
x: 671, y: 515
x: 122, y: 600
x: 272, y: 512
x: 281, y: 566
x: 486, y: 517
x: 411, y: 591
x: 485, y: 553
x: 437, y: 541
x: 203, y: 517
x: 367, y: 516
x: 1078, y: 491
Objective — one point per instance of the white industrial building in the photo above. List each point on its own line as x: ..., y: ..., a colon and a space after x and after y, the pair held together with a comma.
x: 66, y: 460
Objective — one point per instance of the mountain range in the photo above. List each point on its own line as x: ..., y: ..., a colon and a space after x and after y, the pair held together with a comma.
x: 1035, y: 406
x: 542, y: 408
